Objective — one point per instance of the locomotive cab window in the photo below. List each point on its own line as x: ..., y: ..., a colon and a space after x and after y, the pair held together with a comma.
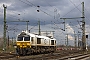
x: 20, y: 38
x: 52, y: 42
x: 26, y: 38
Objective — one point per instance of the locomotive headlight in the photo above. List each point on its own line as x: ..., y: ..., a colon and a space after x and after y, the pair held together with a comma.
x: 18, y: 43
x: 28, y: 43
x: 15, y: 46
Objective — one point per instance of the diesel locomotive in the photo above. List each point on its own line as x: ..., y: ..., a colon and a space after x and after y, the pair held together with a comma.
x: 29, y: 43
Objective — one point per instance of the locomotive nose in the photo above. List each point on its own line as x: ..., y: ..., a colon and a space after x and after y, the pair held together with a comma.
x: 23, y: 44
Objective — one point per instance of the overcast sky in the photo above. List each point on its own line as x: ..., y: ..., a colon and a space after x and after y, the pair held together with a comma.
x: 50, y: 12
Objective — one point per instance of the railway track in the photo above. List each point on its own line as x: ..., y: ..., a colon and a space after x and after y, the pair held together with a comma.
x: 64, y: 55
x: 56, y: 56
x: 76, y: 57
x: 7, y: 55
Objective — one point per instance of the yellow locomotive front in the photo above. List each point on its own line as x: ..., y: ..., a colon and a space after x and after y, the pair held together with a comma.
x: 23, y: 44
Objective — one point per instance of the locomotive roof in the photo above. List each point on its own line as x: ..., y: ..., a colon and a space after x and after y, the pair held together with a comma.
x: 33, y: 35
x: 26, y: 33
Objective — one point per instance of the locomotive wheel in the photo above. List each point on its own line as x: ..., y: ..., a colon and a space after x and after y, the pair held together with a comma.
x: 18, y: 51
x: 24, y: 51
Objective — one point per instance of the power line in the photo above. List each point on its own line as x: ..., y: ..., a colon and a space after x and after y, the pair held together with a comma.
x: 79, y: 10
x: 36, y: 6
x: 71, y: 10
x: 31, y: 3
x: 40, y: 9
x: 88, y: 12
x: 57, y: 26
x: 25, y: 3
x: 75, y: 6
